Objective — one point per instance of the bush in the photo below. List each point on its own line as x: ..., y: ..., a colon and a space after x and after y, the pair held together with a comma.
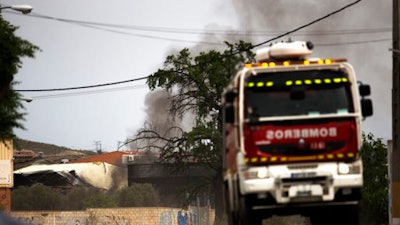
x: 40, y: 197
x: 375, y: 191
x: 138, y: 195
x: 36, y: 197
x: 100, y: 200
x: 75, y: 199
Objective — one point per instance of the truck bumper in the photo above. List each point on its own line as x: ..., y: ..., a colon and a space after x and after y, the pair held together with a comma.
x: 301, y: 183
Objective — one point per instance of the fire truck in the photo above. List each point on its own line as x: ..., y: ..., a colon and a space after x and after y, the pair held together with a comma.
x: 292, y: 136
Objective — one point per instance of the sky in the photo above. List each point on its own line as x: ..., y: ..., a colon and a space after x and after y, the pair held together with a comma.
x: 125, y: 40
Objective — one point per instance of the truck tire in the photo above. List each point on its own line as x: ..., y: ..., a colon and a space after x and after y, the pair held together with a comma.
x: 231, y: 214
x: 343, y: 215
x: 248, y: 216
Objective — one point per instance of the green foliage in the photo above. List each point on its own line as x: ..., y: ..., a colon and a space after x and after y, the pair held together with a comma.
x: 138, y: 195
x: 13, y: 49
x: 40, y: 197
x: 195, y: 84
x: 100, y: 200
x: 375, y: 191
x: 10, y: 115
x: 76, y: 198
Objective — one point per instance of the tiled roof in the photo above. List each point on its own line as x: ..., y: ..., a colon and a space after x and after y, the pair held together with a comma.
x: 114, y: 158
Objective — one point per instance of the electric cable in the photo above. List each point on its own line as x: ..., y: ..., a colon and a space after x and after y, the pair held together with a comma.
x: 82, y: 87
x: 308, y: 24
x: 253, y: 46
x: 96, y: 25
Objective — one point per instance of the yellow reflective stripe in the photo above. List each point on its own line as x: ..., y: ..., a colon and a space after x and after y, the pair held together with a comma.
x: 337, y: 80
x: 264, y: 64
x: 263, y: 159
x: 260, y: 84
x: 328, y: 81
x: 302, y: 158
x: 298, y: 82
x: 289, y: 82
x: 270, y: 83
x: 317, y: 81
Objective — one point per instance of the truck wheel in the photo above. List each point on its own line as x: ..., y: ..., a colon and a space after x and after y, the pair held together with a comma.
x: 231, y: 214
x: 343, y: 215
x: 248, y: 216
x: 350, y: 214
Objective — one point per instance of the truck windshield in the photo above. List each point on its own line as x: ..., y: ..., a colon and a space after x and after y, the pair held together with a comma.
x: 297, y: 93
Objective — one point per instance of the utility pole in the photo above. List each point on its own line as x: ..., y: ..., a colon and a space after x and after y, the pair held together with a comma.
x: 395, y: 157
x: 98, y: 147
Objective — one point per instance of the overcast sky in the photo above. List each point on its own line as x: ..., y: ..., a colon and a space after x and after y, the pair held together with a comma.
x: 140, y: 34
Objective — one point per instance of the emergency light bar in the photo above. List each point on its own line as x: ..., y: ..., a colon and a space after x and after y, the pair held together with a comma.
x: 317, y: 81
x: 294, y: 62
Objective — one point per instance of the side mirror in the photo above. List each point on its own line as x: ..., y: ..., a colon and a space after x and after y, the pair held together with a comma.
x: 230, y: 97
x: 364, y: 89
x: 366, y: 107
x: 229, y: 114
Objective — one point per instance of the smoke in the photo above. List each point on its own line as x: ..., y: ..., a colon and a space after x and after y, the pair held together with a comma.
x: 371, y: 60
x: 158, y: 110
x: 158, y: 116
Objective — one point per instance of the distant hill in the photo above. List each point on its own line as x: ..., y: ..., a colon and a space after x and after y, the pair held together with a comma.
x: 47, y: 149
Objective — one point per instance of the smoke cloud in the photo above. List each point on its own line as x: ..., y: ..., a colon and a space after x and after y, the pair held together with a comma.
x: 348, y: 37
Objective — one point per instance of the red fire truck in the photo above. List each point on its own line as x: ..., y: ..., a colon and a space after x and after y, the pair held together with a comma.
x: 292, y: 137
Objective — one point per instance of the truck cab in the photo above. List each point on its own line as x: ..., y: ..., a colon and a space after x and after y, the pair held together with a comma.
x: 292, y: 136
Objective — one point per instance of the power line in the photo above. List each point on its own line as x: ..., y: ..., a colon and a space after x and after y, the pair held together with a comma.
x: 60, y: 95
x: 253, y: 46
x: 308, y: 24
x: 97, y: 25
x: 352, y: 42
x: 83, y: 87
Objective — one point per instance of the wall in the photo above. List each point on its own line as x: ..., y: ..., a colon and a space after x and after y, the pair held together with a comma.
x: 120, y: 216
x: 6, y: 174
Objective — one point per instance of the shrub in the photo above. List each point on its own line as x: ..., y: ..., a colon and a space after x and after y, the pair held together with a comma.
x: 138, y: 195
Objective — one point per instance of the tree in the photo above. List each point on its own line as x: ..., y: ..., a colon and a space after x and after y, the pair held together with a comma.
x: 195, y: 85
x: 375, y: 191
x: 10, y: 115
x: 13, y: 49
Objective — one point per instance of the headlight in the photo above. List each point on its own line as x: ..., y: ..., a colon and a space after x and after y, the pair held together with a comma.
x: 349, y: 168
x: 343, y: 168
x: 256, y: 173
